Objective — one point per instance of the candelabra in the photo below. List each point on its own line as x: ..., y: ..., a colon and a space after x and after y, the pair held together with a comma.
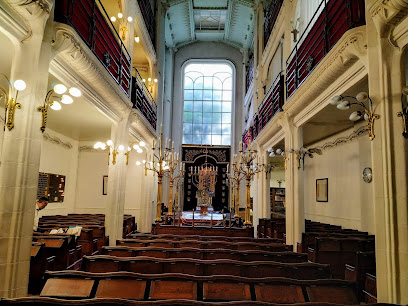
x: 172, y: 166
x: 178, y: 181
x: 236, y: 177
x: 157, y: 164
x: 246, y: 166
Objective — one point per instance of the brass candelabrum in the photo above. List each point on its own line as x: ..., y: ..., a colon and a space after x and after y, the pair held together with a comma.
x: 244, y: 164
x: 178, y: 181
x: 236, y: 177
x: 158, y: 163
x: 172, y: 165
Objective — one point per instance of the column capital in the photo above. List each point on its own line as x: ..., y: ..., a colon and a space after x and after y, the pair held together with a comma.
x: 386, y: 14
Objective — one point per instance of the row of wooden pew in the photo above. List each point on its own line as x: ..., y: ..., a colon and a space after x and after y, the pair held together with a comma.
x: 350, y: 253
x: 65, y: 251
x: 196, y: 269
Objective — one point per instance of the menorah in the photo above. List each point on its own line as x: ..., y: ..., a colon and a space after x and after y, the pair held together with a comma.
x: 204, y: 178
x: 159, y: 163
x: 243, y: 165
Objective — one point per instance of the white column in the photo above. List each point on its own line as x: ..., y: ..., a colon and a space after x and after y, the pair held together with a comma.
x: 389, y: 154
x: 117, y: 182
x: 20, y: 157
x: 295, y: 217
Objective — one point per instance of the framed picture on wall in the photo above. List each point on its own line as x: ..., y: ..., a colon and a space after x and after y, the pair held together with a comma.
x: 105, y: 185
x: 322, y: 190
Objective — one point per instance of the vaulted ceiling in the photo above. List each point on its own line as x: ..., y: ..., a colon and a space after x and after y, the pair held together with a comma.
x: 228, y: 21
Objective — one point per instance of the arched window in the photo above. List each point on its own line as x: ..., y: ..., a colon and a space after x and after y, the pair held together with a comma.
x: 208, y: 98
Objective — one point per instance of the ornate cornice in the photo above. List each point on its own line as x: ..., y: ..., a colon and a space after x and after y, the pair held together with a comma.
x: 57, y: 141
x: 350, y: 48
x: 364, y: 130
x: 69, y: 49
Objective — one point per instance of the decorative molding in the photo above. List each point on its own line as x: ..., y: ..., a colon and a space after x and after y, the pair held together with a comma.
x: 57, y: 141
x: 89, y: 149
x: 364, y: 130
x: 348, y: 50
x: 191, y: 154
x: 74, y: 53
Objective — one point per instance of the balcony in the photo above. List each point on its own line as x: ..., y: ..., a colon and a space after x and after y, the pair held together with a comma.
x: 270, y: 18
x: 143, y: 100
x: 90, y: 20
x: 149, y: 18
x: 249, y: 73
x: 321, y: 34
x: 271, y: 105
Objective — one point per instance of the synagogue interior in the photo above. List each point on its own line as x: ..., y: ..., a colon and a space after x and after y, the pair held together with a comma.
x: 202, y: 152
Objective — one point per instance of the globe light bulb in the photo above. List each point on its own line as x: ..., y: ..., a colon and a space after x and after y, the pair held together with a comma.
x: 55, y: 105
x: 109, y: 142
x: 362, y: 97
x: 135, y: 147
x: 130, y: 19
x: 137, y: 39
x: 120, y: 15
x: 67, y: 99
x: 139, y: 150
x: 144, y: 161
x: 142, y: 143
x: 121, y: 148
x: 270, y: 150
x: 355, y: 116
x: 278, y: 151
x: 113, y: 18
x: 138, y: 163
x: 155, y: 80
x: 102, y: 146
x: 60, y: 89
x: 335, y: 100
x: 343, y: 105
x: 97, y: 145
x: 129, y: 148
x: 144, y: 80
x: 75, y: 92
x: 149, y: 79
x: 20, y: 85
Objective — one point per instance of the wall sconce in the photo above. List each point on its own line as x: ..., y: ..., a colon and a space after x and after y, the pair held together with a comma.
x: 137, y: 39
x: 10, y: 102
x: 123, y: 25
x: 111, y: 145
x: 274, y: 152
x: 404, y: 113
x: 368, y: 115
x: 63, y: 98
x: 295, y: 27
x: 149, y: 83
x: 303, y: 152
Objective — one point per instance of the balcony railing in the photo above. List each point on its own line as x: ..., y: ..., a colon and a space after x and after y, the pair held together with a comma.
x: 149, y: 18
x: 272, y: 104
x: 321, y: 34
x: 91, y: 22
x: 143, y: 100
x: 249, y: 72
x: 271, y: 14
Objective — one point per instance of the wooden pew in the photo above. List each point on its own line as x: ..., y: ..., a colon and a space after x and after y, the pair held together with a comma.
x: 206, y: 288
x: 203, y: 238
x: 158, y: 229
x: 39, y: 263
x: 103, y: 263
x: 338, y: 252
x: 206, y: 254
x: 271, y: 247
x: 370, y: 288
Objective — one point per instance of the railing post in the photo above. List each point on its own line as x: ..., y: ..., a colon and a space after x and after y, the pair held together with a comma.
x: 93, y: 28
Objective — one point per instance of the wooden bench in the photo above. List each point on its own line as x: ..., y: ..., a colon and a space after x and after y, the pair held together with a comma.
x: 138, y: 286
x: 159, y: 229
x: 39, y: 263
x: 206, y: 254
x: 104, y: 263
x: 271, y: 247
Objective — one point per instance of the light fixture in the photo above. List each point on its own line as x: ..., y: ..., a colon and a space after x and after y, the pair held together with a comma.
x: 130, y: 19
x: 75, y: 92
x: 155, y: 80
x: 274, y: 152
x: 138, y: 163
x: 120, y: 15
x: 137, y: 39
x: 123, y: 24
x: 149, y: 79
x: 343, y: 103
x: 404, y: 113
x: 10, y: 102
x: 302, y: 152
x: 135, y: 147
x: 142, y: 143
x: 54, y: 98
x: 139, y: 150
x: 115, y: 151
x: 113, y: 18
x: 295, y: 27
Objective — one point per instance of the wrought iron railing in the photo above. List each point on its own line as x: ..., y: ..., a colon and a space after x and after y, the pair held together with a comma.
x: 321, y: 34
x: 91, y: 22
x: 149, y: 17
x: 249, y: 72
x: 271, y: 104
x: 271, y: 14
x: 143, y: 100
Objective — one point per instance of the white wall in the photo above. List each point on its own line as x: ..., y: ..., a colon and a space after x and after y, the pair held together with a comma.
x: 350, y: 200
x: 92, y: 166
x: 58, y: 159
